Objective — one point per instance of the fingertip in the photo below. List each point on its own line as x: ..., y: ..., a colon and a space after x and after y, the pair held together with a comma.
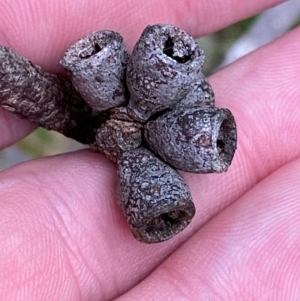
x: 13, y: 128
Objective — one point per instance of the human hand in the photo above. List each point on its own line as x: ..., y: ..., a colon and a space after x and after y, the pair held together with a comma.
x: 62, y: 235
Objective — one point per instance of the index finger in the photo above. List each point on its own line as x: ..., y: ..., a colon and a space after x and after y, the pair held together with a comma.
x: 42, y: 30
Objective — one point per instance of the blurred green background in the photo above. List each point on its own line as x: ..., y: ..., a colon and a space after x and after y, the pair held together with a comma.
x: 216, y: 45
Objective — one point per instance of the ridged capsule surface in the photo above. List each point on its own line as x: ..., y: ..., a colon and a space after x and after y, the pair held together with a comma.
x: 200, y: 94
x: 96, y: 65
x: 194, y: 139
x: 117, y: 134
x: 162, y: 68
x: 154, y: 197
x: 49, y: 100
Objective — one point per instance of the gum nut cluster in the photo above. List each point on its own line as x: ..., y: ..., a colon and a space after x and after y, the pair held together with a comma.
x: 151, y: 112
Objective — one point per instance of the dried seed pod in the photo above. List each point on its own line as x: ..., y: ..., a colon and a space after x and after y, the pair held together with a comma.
x: 96, y: 65
x: 194, y: 139
x: 154, y: 197
x: 161, y: 70
x: 52, y: 102
x: 118, y: 134
x: 201, y: 94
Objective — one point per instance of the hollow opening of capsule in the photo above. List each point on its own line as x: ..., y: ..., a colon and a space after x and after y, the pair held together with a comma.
x: 95, y: 48
x: 226, y: 141
x: 169, y: 51
x: 164, y: 226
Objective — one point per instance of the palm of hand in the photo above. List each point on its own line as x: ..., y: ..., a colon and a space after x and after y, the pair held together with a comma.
x: 64, y: 238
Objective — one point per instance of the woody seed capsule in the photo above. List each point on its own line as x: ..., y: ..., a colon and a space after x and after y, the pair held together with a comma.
x: 163, y: 66
x: 96, y: 66
x: 195, y: 139
x: 49, y: 100
x: 201, y: 94
x: 117, y: 134
x: 154, y: 197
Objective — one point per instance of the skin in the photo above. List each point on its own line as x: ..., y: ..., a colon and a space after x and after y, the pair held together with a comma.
x: 62, y: 235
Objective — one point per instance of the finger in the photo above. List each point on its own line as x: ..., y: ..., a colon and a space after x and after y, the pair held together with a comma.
x: 43, y: 30
x: 110, y: 252
x: 249, y: 252
x: 42, y: 215
x: 13, y: 128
